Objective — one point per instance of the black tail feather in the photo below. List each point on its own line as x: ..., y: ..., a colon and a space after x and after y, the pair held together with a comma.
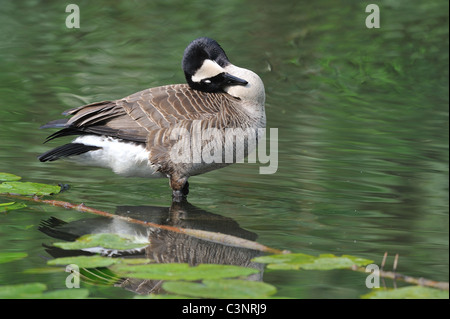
x: 64, y: 132
x: 53, y: 228
x: 60, y: 123
x: 66, y: 150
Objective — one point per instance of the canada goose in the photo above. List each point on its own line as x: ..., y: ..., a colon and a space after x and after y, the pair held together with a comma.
x: 134, y: 135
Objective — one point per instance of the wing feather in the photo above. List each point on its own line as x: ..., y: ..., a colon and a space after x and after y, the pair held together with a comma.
x: 139, y: 116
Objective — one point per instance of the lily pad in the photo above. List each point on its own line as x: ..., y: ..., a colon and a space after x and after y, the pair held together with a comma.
x: 78, y: 293
x: 285, y: 261
x: 175, y: 271
x: 84, y: 261
x: 8, y: 177
x: 303, y: 261
x: 222, y: 288
x: 105, y: 240
x: 99, y: 276
x: 4, y: 207
x: 161, y: 296
x: 31, y: 290
x: 28, y: 188
x: 135, y: 261
x: 329, y: 261
x: 6, y: 257
x: 36, y: 291
x: 410, y: 292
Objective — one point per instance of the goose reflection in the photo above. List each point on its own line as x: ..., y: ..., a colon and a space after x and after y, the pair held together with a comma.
x: 165, y: 246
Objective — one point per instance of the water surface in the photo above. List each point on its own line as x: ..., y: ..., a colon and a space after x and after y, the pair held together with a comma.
x: 362, y: 117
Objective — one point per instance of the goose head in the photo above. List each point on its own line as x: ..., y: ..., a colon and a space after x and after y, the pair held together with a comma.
x: 207, y: 68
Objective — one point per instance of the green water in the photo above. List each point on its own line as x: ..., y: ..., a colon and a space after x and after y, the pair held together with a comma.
x: 362, y: 118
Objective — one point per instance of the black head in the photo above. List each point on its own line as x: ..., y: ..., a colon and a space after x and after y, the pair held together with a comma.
x: 203, y: 65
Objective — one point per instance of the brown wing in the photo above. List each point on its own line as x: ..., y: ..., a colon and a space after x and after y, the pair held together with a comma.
x: 141, y: 114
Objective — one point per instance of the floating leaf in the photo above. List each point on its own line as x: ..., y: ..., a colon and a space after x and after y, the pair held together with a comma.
x: 135, y: 261
x: 32, y: 290
x: 105, y: 240
x: 27, y: 188
x: 99, y: 276
x: 11, y: 256
x: 161, y: 296
x: 4, y: 207
x: 8, y: 177
x: 21, y: 227
x: 358, y: 261
x: 303, y: 261
x: 285, y: 261
x: 84, y: 261
x: 329, y: 261
x: 410, y: 292
x: 222, y: 288
x: 175, y: 271
x: 36, y: 291
x: 78, y: 293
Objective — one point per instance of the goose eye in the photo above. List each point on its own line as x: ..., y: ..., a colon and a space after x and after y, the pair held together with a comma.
x: 207, y: 81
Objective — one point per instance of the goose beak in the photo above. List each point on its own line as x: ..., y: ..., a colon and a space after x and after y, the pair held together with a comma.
x: 229, y: 80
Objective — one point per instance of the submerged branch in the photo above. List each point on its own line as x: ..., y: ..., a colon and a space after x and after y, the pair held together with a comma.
x: 220, y: 238
x: 230, y: 240
x: 411, y: 280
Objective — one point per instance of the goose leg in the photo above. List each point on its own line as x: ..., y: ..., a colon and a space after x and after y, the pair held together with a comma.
x: 180, y: 188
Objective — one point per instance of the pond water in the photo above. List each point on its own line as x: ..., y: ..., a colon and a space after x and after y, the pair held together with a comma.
x: 362, y: 118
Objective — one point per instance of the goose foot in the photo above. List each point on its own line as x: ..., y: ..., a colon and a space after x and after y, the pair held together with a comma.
x: 180, y: 189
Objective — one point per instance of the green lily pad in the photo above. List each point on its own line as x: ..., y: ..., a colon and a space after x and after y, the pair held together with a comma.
x: 31, y: 290
x: 175, y: 271
x: 135, y: 261
x: 8, y: 177
x: 308, y: 262
x: 99, y: 276
x: 77, y: 293
x: 95, y: 261
x: 105, y: 240
x: 36, y: 291
x: 84, y: 261
x: 222, y: 288
x: 4, y: 207
x: 329, y: 261
x: 285, y: 261
x: 11, y: 256
x: 410, y: 292
x: 28, y: 188
x: 358, y: 261
x: 161, y: 296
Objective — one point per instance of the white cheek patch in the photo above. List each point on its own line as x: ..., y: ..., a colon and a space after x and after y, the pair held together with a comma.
x: 208, y: 69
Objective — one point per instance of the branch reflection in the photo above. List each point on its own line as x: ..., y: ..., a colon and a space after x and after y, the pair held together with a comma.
x: 165, y: 246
